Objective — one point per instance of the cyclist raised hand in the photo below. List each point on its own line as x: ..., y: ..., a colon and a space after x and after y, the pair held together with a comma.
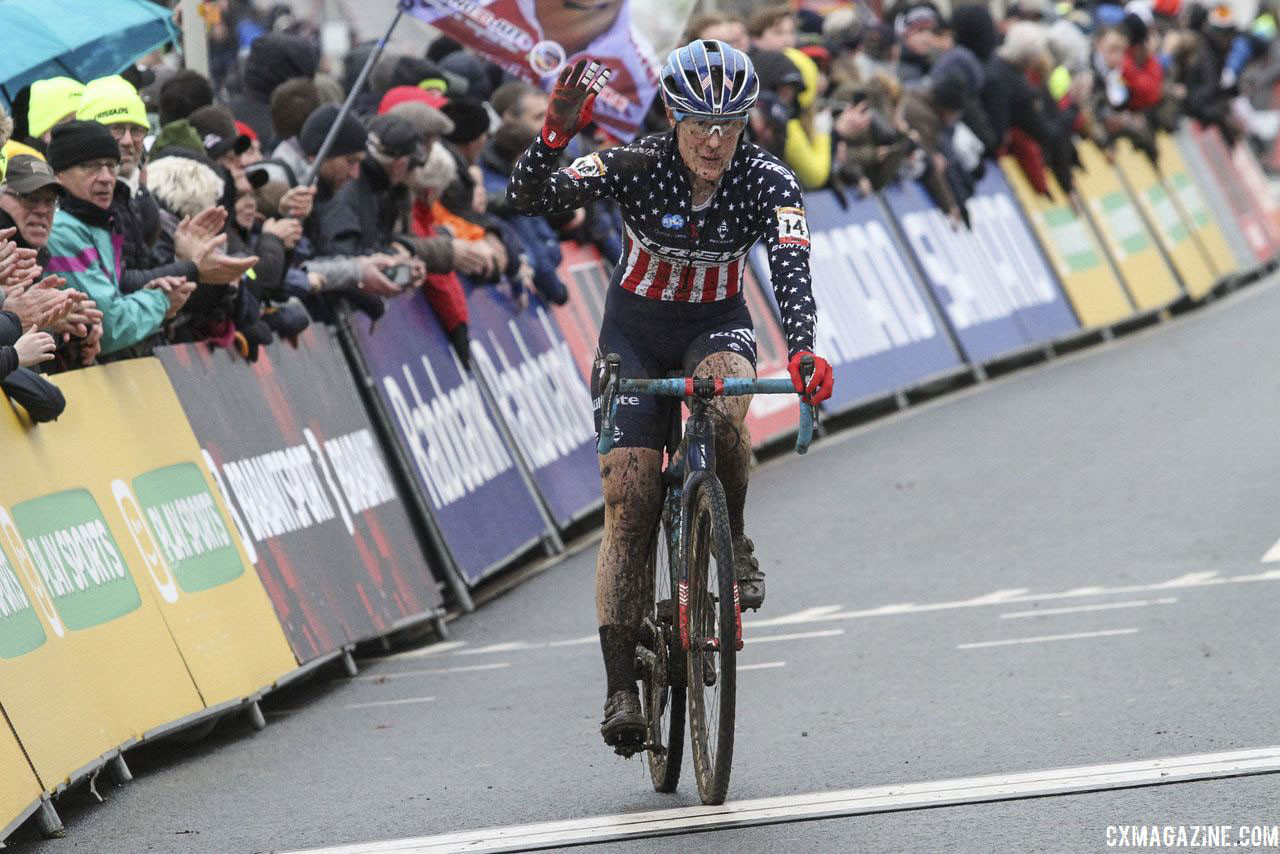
x: 694, y: 200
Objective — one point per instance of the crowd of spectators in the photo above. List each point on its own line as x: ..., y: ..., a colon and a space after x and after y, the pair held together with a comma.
x: 163, y: 206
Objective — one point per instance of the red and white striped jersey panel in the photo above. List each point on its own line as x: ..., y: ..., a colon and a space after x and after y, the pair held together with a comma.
x: 649, y: 275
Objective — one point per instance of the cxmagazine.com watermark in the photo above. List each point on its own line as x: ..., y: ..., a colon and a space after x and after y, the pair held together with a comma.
x: 1175, y: 836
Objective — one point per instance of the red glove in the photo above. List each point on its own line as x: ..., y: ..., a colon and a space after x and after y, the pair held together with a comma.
x: 820, y: 384
x: 571, y: 101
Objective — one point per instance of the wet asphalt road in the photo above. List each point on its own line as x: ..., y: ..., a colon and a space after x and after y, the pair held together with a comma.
x: 1143, y: 476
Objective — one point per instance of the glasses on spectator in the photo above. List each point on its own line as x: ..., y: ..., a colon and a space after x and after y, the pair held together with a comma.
x: 31, y: 201
x: 138, y: 134
x: 93, y: 167
x: 702, y: 127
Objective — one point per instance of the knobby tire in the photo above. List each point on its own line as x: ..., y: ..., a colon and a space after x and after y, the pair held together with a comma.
x: 712, y: 614
x: 663, y: 692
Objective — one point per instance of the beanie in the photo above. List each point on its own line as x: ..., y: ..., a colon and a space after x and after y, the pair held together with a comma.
x: 51, y: 100
x: 77, y: 141
x: 470, y: 120
x: 112, y: 100
x: 178, y: 134
x: 351, y: 134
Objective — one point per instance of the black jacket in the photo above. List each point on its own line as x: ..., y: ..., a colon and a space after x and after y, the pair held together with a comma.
x: 273, y: 59
x: 1011, y: 101
x: 362, y: 216
x: 137, y: 221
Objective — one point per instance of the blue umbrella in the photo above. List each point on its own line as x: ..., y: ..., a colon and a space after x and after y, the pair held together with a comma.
x: 83, y: 39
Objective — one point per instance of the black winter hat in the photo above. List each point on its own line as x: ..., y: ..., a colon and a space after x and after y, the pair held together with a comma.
x: 351, y: 134
x: 775, y: 70
x: 951, y: 90
x: 77, y: 141
x: 470, y: 120
x: 275, y: 58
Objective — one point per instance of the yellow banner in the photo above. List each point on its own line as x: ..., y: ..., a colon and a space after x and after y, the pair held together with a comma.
x: 1116, y: 219
x: 19, y: 788
x: 1171, y: 229
x: 1195, y: 208
x: 1079, y: 260
x: 93, y: 635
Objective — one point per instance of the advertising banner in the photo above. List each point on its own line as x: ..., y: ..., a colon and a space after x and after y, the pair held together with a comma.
x: 1171, y: 227
x: 459, y: 459
x: 1118, y: 221
x: 1251, y: 177
x: 769, y: 417
x: 1196, y: 210
x: 19, y: 788
x: 1248, y: 217
x: 87, y: 662
x: 541, y: 396
x: 994, y: 285
x: 312, y: 498
x: 1073, y: 250
x: 535, y: 40
x: 876, y: 324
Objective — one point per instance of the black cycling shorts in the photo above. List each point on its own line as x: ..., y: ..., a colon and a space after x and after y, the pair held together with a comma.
x: 658, y: 337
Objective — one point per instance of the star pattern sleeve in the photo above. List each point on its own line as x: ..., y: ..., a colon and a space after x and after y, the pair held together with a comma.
x: 780, y: 206
x: 538, y: 188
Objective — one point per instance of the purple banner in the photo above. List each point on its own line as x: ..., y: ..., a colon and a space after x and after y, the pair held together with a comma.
x: 542, y: 397
x: 465, y: 470
x: 876, y: 324
x: 993, y: 282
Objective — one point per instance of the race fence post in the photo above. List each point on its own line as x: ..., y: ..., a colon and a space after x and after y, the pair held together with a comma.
x: 423, y: 521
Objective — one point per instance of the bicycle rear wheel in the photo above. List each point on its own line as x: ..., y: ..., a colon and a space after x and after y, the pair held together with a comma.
x: 663, y: 692
x: 707, y: 552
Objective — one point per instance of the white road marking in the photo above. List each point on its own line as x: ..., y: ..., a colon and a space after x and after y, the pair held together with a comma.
x: 1273, y: 553
x: 1080, y: 609
x: 764, y: 665
x: 1045, y: 638
x: 804, y: 616
x: 390, y: 702
x: 433, y: 649
x: 401, y: 674
x: 585, y: 639
x: 934, y: 793
x: 512, y: 646
x: 825, y: 633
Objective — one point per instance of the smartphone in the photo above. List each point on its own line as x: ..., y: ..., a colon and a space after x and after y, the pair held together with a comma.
x: 401, y: 275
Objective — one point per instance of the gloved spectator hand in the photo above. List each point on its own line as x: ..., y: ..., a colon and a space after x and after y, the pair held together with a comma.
x: 289, y: 231
x: 298, y: 202
x: 571, y: 101
x: 34, y: 347
x: 820, y: 384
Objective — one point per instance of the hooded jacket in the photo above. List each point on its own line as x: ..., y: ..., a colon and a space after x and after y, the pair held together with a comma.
x: 273, y: 59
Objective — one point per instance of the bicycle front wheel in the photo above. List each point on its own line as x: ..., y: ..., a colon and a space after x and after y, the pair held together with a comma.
x: 712, y: 620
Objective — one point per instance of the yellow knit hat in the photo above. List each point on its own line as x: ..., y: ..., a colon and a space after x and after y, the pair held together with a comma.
x: 112, y: 100
x: 52, y: 100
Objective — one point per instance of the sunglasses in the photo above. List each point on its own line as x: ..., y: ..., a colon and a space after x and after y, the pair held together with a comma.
x: 702, y: 127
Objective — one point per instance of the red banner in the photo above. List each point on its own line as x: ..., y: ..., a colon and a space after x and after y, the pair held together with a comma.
x: 534, y: 40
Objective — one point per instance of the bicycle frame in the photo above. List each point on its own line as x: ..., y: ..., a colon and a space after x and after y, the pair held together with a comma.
x: 692, y: 459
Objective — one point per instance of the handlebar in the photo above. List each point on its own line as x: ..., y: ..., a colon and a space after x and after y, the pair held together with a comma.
x: 704, y: 387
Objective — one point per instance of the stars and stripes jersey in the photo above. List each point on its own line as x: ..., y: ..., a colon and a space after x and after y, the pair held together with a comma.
x: 670, y: 251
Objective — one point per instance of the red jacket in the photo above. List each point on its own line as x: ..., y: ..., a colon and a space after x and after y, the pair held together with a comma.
x: 1145, y: 82
x: 443, y: 290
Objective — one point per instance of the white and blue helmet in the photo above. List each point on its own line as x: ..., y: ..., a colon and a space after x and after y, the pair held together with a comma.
x: 707, y: 77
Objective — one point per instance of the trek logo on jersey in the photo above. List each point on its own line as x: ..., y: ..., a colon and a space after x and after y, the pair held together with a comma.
x: 673, y: 221
x: 791, y: 227
x: 586, y: 166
